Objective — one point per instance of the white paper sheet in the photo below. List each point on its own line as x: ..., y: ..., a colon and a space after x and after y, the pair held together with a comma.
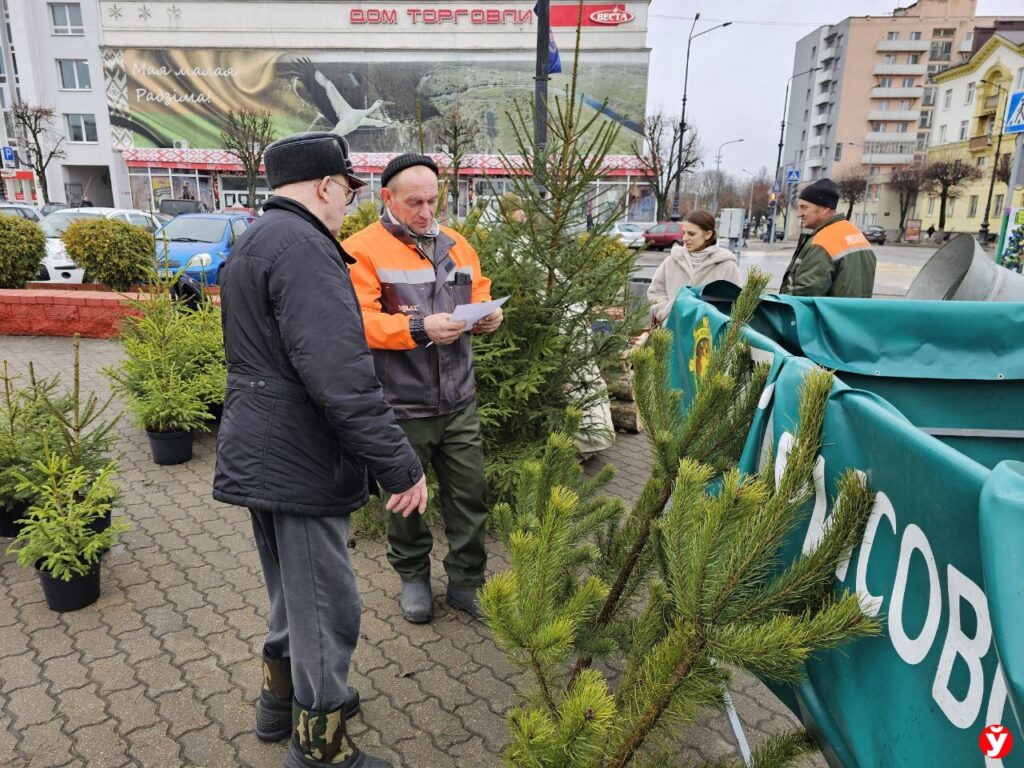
x: 474, y: 313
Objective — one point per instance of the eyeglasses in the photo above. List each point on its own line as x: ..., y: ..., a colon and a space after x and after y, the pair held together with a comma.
x: 350, y: 194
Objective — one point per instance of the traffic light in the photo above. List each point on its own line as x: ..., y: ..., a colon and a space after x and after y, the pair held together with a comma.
x: 771, y: 198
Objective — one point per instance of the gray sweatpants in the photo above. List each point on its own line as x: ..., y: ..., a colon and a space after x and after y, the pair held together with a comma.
x: 314, y: 602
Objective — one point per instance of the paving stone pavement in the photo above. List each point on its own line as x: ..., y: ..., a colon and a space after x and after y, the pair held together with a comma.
x: 163, y: 671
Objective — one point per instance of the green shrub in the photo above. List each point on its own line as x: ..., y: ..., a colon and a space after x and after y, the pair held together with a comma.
x: 360, y: 218
x: 112, y: 252
x: 22, y: 249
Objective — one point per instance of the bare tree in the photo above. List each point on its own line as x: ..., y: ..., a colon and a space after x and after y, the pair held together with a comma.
x: 40, y: 142
x: 459, y: 132
x: 658, y: 156
x: 1003, y: 168
x: 758, y: 191
x: 945, y: 177
x: 907, y: 181
x: 852, y: 184
x: 246, y: 136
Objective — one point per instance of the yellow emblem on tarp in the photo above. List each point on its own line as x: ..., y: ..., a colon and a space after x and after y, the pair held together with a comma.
x: 701, y: 351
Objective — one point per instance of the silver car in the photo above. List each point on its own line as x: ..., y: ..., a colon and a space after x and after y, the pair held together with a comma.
x: 59, y: 268
x: 630, y: 235
x: 20, y: 210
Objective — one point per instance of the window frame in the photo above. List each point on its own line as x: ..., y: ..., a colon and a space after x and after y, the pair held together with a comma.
x: 77, y: 71
x: 67, y: 29
x: 82, y: 125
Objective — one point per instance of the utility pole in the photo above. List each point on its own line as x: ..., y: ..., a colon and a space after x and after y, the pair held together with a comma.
x: 778, y: 160
x: 983, y: 229
x: 540, y: 91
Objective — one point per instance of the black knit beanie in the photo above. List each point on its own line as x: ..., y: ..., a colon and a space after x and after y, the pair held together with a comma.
x: 823, y: 192
x: 402, y: 162
x: 308, y: 156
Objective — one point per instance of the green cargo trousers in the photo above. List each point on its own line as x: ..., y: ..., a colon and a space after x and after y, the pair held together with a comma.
x: 452, y: 444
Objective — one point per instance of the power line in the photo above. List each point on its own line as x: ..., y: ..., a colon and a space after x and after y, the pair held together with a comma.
x: 752, y: 22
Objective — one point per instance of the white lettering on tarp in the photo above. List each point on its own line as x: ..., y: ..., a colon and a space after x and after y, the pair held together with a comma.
x: 963, y: 712
x: 872, y: 604
x: 913, y: 651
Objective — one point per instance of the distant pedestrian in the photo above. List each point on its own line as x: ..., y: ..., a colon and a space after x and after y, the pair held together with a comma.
x: 698, y: 261
x: 834, y: 258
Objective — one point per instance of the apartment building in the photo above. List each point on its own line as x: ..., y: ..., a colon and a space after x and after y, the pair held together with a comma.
x: 51, y: 58
x: 867, y: 105
x: 969, y: 118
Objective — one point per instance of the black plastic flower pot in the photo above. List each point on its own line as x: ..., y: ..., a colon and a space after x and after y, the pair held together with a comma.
x: 170, y: 447
x: 73, y: 595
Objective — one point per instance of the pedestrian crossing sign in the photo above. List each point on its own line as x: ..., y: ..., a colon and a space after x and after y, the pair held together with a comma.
x: 792, y: 176
x: 1015, y: 114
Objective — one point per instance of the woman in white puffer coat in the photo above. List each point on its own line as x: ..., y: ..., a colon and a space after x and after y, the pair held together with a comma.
x: 698, y: 261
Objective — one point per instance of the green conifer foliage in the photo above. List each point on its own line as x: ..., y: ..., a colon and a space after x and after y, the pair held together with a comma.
x: 680, y: 588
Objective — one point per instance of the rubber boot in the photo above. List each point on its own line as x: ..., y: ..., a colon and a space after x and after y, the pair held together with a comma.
x: 321, y: 740
x: 274, y: 706
x: 466, y: 600
x: 416, y: 602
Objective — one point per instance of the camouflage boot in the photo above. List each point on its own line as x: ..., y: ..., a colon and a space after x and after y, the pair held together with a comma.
x: 321, y: 740
x: 274, y: 706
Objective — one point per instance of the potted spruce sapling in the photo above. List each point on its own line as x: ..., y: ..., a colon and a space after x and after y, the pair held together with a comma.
x: 60, y: 537
x: 162, y: 377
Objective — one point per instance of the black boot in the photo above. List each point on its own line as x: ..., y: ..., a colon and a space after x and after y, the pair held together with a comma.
x: 321, y: 741
x: 274, y: 706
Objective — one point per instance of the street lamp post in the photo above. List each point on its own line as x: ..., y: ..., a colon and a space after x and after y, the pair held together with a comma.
x: 718, y: 174
x: 750, y: 196
x: 682, y: 116
x: 983, y: 229
x: 778, y: 157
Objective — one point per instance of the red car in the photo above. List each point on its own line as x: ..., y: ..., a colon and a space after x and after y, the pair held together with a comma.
x: 664, y: 235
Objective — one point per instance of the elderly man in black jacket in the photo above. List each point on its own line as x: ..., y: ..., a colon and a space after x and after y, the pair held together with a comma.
x: 304, y: 419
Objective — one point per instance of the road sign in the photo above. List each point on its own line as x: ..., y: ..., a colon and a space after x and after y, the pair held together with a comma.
x: 8, y: 155
x: 776, y: 186
x: 792, y: 176
x: 1015, y: 114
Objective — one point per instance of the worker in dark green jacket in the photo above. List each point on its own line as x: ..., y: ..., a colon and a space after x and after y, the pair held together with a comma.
x: 834, y: 258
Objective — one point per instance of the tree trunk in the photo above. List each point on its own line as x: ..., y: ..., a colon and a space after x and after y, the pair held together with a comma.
x: 942, y: 211
x: 849, y: 211
x: 252, y: 190
x: 44, y: 187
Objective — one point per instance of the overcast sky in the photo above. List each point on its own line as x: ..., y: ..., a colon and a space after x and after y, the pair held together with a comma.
x: 738, y: 74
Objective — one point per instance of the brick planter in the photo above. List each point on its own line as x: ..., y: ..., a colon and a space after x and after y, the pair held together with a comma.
x: 38, y: 312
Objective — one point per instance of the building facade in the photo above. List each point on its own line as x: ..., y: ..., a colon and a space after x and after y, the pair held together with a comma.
x: 868, y: 106
x: 51, y: 58
x: 383, y: 74
x: 969, y: 120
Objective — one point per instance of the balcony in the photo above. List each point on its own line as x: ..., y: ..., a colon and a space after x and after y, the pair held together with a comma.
x: 901, y: 69
x: 822, y: 98
x: 888, y: 159
x: 991, y: 103
x: 902, y: 46
x: 886, y: 136
x: 895, y: 115
x: 979, y: 143
x: 897, y: 93
x: 827, y: 53
x: 820, y: 119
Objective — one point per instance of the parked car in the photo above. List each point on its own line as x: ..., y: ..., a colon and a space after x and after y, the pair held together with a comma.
x: 630, y: 235
x: 175, y: 207
x: 199, y: 242
x: 49, y: 208
x: 20, y: 210
x: 779, y: 235
x: 874, y: 233
x: 664, y: 235
x: 57, y: 267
